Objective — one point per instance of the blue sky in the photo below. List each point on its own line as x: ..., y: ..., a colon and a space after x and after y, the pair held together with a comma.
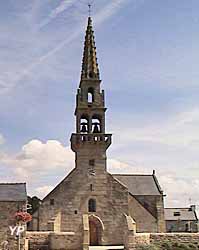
x: 148, y: 57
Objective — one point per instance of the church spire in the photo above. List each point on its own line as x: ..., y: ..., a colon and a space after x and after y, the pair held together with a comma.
x: 90, y: 141
x: 90, y: 68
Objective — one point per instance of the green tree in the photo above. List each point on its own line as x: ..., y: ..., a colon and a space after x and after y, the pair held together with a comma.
x: 34, y: 202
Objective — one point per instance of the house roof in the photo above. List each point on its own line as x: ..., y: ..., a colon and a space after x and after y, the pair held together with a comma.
x: 175, y: 214
x: 13, y: 192
x: 140, y: 184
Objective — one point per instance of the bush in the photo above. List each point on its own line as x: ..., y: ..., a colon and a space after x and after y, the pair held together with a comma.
x: 177, y: 246
x: 168, y: 246
x: 192, y: 246
x: 148, y: 247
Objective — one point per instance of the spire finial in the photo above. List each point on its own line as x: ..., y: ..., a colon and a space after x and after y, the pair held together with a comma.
x: 89, y: 9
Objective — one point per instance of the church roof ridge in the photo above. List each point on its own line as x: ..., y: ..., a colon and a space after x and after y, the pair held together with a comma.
x: 185, y: 213
x: 13, y: 192
x: 169, y: 208
x: 134, y: 174
x: 12, y: 183
x: 177, y: 208
x: 140, y: 184
x: 59, y: 183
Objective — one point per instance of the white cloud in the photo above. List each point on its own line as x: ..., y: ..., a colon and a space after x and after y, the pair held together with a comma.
x: 112, y: 8
x: 64, y: 5
x: 117, y: 166
x: 37, y: 157
x: 108, y: 10
x: 42, y: 191
x: 180, y: 192
x: 2, y: 139
x: 180, y: 130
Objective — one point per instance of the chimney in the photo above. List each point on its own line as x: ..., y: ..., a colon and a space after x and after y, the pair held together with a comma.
x: 193, y: 208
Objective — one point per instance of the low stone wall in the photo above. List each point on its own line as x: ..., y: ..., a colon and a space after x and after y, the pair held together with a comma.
x: 58, y: 241
x: 134, y: 241
x: 51, y: 241
x: 69, y: 240
x: 173, y: 237
x: 37, y: 240
x: 143, y: 238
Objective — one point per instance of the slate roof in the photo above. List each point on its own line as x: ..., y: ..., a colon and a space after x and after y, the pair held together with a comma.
x: 140, y: 184
x: 185, y: 214
x: 13, y: 192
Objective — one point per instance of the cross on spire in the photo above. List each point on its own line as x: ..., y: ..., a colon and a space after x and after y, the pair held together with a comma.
x: 89, y: 9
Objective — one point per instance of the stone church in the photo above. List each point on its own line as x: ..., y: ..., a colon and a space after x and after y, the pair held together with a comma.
x: 96, y: 207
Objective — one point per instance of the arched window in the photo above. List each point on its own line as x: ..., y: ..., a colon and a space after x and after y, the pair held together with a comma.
x: 84, y: 124
x: 90, y: 96
x: 92, y: 205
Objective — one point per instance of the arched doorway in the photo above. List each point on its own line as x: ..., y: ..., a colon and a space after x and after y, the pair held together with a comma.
x: 95, y: 230
x: 94, y: 233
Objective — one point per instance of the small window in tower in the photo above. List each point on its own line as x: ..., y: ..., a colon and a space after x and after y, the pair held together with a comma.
x: 92, y: 205
x: 176, y: 213
x: 52, y: 202
x: 92, y: 162
x: 90, y: 97
x: 91, y: 187
x: 75, y: 211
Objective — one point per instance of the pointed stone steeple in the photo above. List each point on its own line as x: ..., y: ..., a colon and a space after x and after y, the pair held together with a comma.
x: 90, y: 68
x: 90, y: 141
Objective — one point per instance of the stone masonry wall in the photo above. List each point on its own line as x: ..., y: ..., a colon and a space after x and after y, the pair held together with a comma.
x: 37, y: 240
x: 155, y: 205
x: 145, y: 222
x: 173, y: 237
x: 7, y: 212
x: 62, y: 241
x: 71, y: 199
x: 52, y: 241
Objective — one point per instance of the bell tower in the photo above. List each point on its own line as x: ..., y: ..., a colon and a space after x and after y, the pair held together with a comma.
x: 90, y: 141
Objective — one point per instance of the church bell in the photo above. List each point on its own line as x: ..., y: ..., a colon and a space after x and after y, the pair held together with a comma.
x: 96, y: 128
x: 84, y: 128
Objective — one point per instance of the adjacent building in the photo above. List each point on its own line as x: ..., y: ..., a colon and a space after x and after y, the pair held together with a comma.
x: 181, y: 219
x: 13, y: 198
